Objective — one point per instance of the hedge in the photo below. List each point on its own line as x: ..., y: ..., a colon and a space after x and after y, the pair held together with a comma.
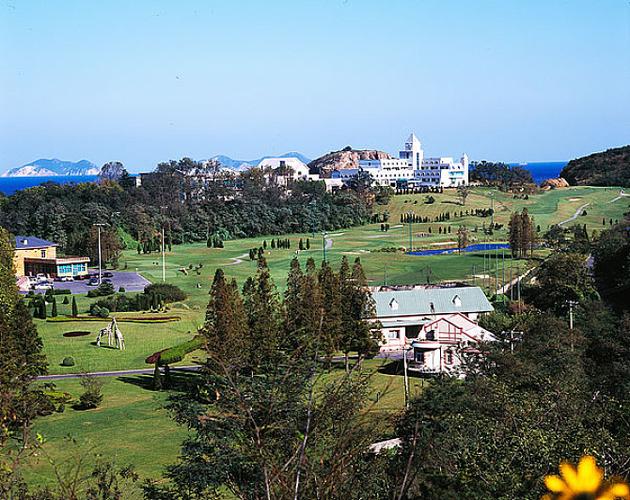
x: 176, y: 353
x: 167, y: 291
x: 129, y: 319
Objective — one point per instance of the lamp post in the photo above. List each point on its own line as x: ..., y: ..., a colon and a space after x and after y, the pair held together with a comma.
x: 410, y: 215
x: 163, y: 251
x: 99, y: 225
x: 324, y: 234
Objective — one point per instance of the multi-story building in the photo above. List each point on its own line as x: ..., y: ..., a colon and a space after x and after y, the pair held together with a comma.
x: 439, y: 324
x: 35, y: 256
x: 411, y: 169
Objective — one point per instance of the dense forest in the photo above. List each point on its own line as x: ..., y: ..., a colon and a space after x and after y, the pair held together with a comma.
x: 499, y: 174
x: 608, y: 168
x: 190, y: 207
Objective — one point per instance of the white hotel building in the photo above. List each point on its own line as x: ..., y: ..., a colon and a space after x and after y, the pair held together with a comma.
x: 411, y: 169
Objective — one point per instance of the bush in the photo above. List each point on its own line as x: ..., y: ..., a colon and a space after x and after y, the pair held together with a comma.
x: 177, y: 353
x: 68, y: 361
x: 98, y: 311
x: 65, y: 301
x: 168, y: 292
x: 122, y: 289
x: 93, y: 395
x: 103, y: 290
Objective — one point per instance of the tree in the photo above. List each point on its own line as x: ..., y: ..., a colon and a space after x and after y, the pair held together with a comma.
x: 522, y: 234
x: 331, y: 302
x: 263, y: 315
x: 462, y: 238
x: 462, y: 192
x: 53, y: 311
x: 21, y: 361
x: 111, y: 245
x: 75, y: 309
x: 112, y: 171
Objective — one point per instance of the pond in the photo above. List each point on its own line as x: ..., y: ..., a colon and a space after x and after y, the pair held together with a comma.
x: 478, y: 247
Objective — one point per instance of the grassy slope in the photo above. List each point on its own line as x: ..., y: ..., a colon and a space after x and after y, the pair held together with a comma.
x: 130, y: 424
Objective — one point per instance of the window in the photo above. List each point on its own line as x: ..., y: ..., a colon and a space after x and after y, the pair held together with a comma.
x: 393, y: 335
x: 43, y: 253
x: 448, y: 357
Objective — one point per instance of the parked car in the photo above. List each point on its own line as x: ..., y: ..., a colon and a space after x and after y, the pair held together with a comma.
x: 66, y: 278
x: 43, y: 286
x: 107, y: 274
x: 106, y: 280
x: 93, y: 282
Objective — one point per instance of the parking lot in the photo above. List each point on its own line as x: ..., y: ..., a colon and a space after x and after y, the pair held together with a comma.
x: 130, y: 281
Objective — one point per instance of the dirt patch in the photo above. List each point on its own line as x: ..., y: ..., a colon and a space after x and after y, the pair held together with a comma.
x: 442, y: 243
x: 575, y: 199
x: 80, y: 333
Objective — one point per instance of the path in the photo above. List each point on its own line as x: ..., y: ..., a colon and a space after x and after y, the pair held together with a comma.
x: 237, y: 260
x: 577, y: 213
x: 140, y: 371
x: 621, y: 195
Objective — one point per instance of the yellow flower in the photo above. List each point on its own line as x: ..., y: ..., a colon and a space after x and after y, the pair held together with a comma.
x: 584, y: 482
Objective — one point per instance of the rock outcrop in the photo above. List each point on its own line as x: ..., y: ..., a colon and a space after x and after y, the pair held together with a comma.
x: 560, y: 182
x: 346, y: 158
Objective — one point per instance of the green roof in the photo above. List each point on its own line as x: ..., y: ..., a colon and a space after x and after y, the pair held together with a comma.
x: 420, y: 301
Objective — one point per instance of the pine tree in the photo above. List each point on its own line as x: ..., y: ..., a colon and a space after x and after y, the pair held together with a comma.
x: 331, y: 303
x: 301, y: 245
x: 263, y: 316
x: 365, y: 335
x: 53, y: 311
x: 273, y: 243
x: 21, y: 359
x: 264, y: 245
x: 139, y: 248
x: 293, y: 304
x: 308, y: 243
x: 225, y: 327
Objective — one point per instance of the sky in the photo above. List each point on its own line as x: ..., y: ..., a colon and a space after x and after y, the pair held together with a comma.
x: 148, y: 81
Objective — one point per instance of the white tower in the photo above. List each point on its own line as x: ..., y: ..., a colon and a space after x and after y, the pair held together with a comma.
x: 413, y: 152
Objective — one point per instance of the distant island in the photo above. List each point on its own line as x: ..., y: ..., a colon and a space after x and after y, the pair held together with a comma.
x: 608, y: 168
x: 53, y: 167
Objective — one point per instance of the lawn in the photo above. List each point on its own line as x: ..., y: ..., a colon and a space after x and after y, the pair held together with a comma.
x: 132, y: 427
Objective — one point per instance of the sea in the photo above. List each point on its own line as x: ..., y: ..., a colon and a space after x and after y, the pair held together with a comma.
x: 9, y: 185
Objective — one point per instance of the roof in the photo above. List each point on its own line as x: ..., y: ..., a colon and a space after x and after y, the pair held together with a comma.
x: 420, y: 301
x: 26, y: 242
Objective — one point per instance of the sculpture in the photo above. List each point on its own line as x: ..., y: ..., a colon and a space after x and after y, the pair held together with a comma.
x: 112, y: 331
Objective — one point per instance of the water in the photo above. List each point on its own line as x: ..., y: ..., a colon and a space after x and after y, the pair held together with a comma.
x: 9, y: 185
x: 542, y: 170
x: 478, y: 247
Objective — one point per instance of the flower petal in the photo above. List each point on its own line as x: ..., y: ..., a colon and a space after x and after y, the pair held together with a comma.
x: 614, y: 491
x: 589, y: 475
x: 555, y: 484
x: 569, y: 474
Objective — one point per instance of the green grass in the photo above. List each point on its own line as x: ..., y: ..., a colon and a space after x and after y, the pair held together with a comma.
x: 132, y: 427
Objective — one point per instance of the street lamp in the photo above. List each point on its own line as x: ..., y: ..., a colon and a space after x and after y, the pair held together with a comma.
x: 410, y: 214
x: 324, y: 234
x: 99, y: 225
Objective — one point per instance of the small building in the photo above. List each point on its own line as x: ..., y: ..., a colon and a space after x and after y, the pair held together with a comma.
x: 35, y: 256
x: 286, y: 169
x: 438, y: 323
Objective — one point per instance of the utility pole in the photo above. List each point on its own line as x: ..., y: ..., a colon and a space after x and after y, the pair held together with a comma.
x: 405, y: 377
x: 410, y: 214
x: 163, y: 257
x: 100, y: 267
x: 324, y: 234
x: 503, y: 271
x: 492, y: 208
x: 572, y: 304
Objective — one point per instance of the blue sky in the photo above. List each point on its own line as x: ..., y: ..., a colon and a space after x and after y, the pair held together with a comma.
x: 147, y: 81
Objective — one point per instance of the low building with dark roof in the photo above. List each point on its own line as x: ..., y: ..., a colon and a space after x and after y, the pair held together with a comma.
x: 35, y: 256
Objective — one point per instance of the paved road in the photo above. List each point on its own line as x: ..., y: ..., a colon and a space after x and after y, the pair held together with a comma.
x: 130, y: 281
x: 119, y: 373
x: 577, y: 213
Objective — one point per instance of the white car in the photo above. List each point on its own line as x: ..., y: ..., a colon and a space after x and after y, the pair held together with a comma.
x: 43, y: 286
x: 66, y: 278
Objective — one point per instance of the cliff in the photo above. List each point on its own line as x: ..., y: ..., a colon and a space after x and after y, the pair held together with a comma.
x: 346, y: 158
x: 554, y: 183
x: 608, y: 168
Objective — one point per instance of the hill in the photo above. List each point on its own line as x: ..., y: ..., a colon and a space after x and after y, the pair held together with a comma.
x: 345, y: 158
x: 53, y: 167
x: 233, y: 164
x: 608, y: 168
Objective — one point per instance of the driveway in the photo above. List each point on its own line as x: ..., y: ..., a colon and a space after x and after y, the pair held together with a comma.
x: 130, y: 281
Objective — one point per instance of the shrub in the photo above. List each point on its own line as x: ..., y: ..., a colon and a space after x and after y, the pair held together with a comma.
x: 65, y: 301
x: 167, y: 291
x: 103, y: 290
x: 68, y: 361
x: 122, y: 289
x: 177, y: 353
x: 93, y: 395
x: 98, y: 311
